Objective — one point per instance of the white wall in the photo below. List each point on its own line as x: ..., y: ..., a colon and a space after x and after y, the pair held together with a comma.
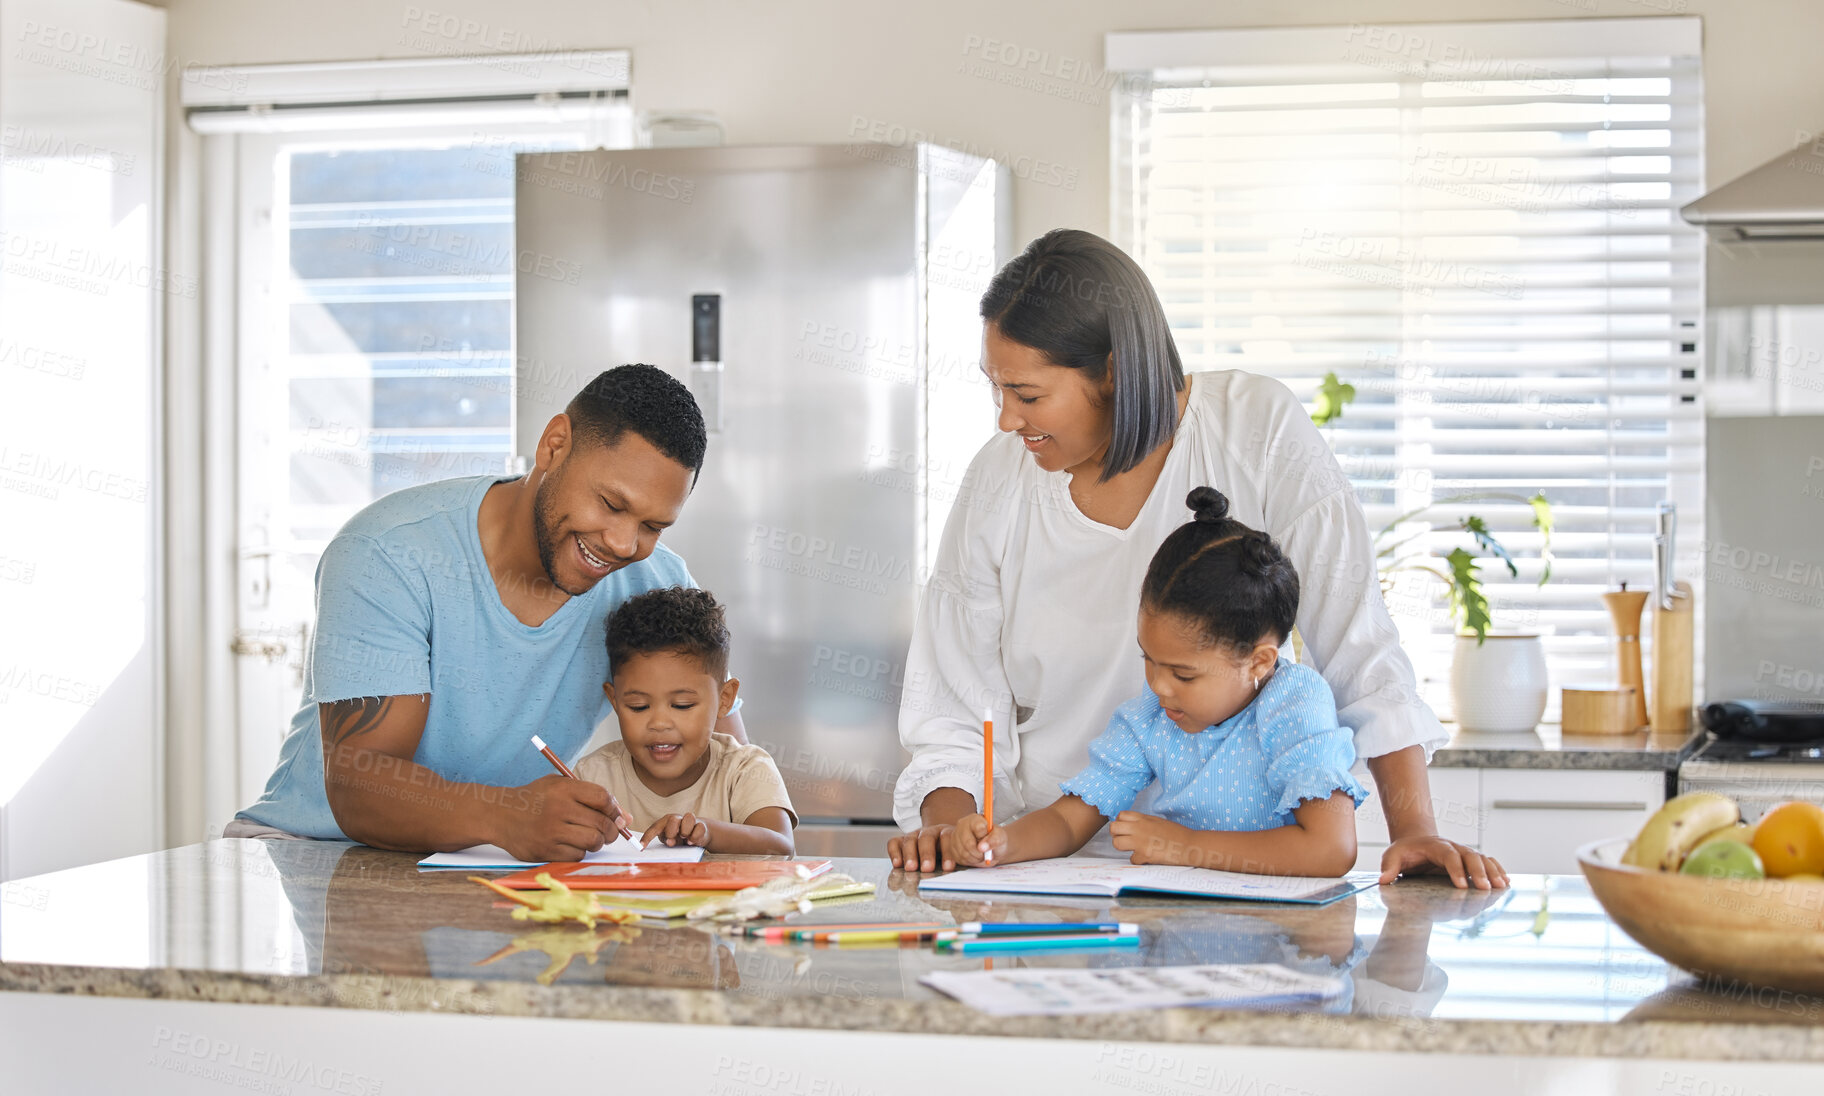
x: 81, y: 87
x: 808, y: 70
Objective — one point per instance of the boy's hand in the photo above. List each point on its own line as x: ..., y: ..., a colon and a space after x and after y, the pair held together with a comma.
x: 969, y: 843
x: 555, y: 819
x: 1149, y: 839
x: 676, y: 829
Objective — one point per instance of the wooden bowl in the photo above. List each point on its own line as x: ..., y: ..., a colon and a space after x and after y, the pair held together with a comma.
x: 1765, y: 931
x: 1597, y: 711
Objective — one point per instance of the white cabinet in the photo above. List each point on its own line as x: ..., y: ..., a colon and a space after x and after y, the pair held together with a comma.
x: 1455, y: 805
x: 1532, y: 820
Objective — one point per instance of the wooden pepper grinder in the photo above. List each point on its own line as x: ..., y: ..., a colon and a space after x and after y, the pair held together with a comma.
x: 1624, y: 609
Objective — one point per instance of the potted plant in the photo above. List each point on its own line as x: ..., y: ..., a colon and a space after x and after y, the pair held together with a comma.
x: 1498, y: 679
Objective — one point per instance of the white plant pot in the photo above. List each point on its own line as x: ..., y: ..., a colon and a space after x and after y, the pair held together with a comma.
x: 1499, y: 687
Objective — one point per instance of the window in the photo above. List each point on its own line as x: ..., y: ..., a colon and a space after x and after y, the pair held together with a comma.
x: 379, y: 264
x: 1477, y: 227
x: 397, y: 267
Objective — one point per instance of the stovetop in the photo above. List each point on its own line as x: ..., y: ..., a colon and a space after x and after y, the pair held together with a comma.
x: 1776, y: 753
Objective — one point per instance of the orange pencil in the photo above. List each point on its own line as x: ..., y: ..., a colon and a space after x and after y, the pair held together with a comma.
x: 988, y: 772
x: 558, y: 764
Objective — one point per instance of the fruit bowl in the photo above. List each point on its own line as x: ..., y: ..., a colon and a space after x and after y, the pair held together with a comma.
x: 1766, y: 931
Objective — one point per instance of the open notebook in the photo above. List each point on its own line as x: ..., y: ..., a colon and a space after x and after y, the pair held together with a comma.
x: 1109, y: 878
x: 618, y: 851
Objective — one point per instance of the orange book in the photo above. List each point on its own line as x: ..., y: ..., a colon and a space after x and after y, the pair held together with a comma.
x: 725, y: 875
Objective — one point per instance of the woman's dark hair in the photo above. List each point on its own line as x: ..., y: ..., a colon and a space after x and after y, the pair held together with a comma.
x: 683, y: 619
x: 1076, y: 298
x: 1233, y: 582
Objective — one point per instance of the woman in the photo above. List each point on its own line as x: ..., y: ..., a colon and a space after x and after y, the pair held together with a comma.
x: 1030, y: 608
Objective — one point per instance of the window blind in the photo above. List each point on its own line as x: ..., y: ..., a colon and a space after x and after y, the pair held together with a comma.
x: 1475, y: 226
x: 382, y: 299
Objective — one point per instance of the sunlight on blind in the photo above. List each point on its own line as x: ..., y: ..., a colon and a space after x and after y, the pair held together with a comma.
x: 1498, y: 267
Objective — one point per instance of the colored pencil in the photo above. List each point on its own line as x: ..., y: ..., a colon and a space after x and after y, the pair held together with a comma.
x: 988, y: 772
x: 1017, y: 928
x: 558, y: 764
x: 874, y: 937
x: 789, y: 927
x: 898, y: 932
x: 1040, y: 943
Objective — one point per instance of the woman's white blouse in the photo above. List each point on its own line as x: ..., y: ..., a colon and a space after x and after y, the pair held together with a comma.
x: 1031, y: 607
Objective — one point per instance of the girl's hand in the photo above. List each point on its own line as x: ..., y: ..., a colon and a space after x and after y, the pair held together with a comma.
x: 970, y: 842
x: 1149, y: 839
x: 1424, y: 855
x: 674, y: 829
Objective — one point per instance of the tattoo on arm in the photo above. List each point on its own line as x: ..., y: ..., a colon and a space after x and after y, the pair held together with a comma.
x: 351, y: 718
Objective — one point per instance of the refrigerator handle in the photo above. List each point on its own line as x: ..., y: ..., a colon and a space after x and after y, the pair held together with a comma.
x: 706, y: 357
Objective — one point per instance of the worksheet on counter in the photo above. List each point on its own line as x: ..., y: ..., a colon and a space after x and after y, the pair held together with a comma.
x: 1057, y: 991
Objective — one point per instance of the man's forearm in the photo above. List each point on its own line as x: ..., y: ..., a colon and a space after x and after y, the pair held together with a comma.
x: 393, y: 803
x: 945, y: 805
x: 1405, y: 791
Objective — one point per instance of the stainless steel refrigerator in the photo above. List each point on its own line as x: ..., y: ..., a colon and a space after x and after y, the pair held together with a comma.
x: 821, y: 303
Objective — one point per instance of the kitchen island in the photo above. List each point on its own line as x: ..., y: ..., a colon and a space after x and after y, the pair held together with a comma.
x: 134, y: 975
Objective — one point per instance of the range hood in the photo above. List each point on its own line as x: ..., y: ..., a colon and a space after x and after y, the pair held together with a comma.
x: 1783, y: 199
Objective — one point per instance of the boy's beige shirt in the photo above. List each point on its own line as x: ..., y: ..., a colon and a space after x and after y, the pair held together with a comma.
x: 739, y: 781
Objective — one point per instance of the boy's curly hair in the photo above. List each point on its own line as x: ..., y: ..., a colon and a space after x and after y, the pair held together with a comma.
x: 677, y: 618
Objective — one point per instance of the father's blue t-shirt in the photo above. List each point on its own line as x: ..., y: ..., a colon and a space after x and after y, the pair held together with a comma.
x: 406, y: 606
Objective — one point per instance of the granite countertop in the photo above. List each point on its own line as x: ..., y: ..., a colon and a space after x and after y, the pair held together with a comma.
x: 1428, y: 968
x: 1547, y: 748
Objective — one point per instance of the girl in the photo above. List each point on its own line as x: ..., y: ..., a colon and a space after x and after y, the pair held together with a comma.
x: 1252, y: 766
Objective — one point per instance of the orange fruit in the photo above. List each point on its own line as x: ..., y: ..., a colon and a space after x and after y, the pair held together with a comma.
x: 1790, y: 840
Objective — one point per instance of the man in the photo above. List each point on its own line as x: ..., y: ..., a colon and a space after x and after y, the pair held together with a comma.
x: 457, y: 619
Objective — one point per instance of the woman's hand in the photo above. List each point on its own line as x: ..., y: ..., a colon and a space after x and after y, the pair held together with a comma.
x: 1149, y: 839
x: 1427, y: 854
x: 674, y: 829
x: 973, y: 843
x: 921, y: 850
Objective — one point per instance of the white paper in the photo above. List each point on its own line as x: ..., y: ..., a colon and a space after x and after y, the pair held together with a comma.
x: 1057, y: 991
x: 1088, y: 875
x: 619, y: 851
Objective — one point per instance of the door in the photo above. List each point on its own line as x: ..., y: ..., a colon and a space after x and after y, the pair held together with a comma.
x: 374, y: 350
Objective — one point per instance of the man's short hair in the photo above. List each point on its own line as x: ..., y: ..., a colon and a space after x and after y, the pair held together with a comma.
x: 681, y: 619
x: 646, y: 400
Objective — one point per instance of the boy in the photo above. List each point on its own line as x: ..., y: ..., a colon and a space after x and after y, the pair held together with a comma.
x: 671, y: 773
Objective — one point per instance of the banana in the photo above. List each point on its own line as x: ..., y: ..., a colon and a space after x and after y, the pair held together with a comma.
x: 1676, y: 828
x: 1740, y: 832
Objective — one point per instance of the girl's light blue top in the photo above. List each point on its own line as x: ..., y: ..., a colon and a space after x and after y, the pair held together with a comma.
x: 1245, y: 773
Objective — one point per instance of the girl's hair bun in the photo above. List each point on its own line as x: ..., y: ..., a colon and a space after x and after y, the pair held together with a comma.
x: 1234, y: 582
x: 1258, y: 553
x: 1208, y: 504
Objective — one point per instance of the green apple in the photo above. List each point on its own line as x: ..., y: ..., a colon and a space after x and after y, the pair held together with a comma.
x: 1724, y: 860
